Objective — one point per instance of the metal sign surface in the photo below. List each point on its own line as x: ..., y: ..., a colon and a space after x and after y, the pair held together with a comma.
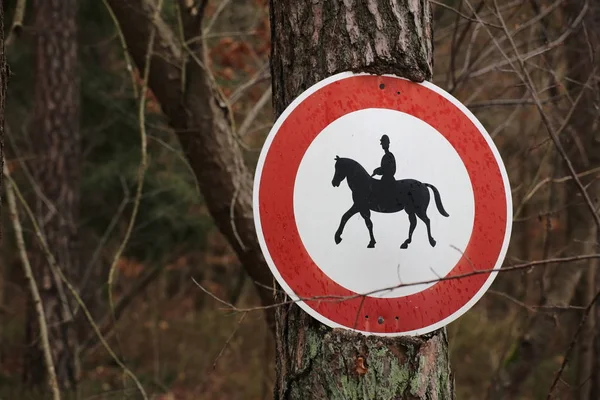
x: 381, y: 205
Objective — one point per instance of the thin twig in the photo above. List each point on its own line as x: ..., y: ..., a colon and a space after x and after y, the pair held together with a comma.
x: 555, y: 180
x: 253, y: 113
x: 232, y: 216
x: 547, y: 308
x: 261, y: 75
x: 533, y: 53
x: 211, y: 22
x: 17, y: 25
x: 107, y: 322
x: 181, y: 157
x: 104, y: 239
x: 572, y: 345
x: 34, y: 185
x: 35, y: 294
x: 124, y: 46
x: 221, y: 34
x: 508, y: 102
x: 332, y: 298
x: 144, y: 157
x: 466, y: 17
x: 239, y: 323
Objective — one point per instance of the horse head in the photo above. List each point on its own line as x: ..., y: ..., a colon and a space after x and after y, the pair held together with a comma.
x: 340, y: 173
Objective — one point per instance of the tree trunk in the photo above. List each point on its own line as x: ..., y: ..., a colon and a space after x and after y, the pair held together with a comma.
x: 312, y: 40
x: 3, y: 78
x: 3, y: 82
x: 56, y: 141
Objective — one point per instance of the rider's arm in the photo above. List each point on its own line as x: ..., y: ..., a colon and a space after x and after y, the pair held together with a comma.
x: 377, y: 171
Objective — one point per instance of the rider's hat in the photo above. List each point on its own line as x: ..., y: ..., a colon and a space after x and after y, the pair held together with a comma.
x: 385, y: 139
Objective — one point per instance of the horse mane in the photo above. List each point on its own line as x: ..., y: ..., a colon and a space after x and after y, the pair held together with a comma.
x: 355, y: 165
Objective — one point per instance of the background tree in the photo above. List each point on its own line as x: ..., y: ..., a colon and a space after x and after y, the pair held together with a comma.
x: 56, y: 170
x: 3, y: 83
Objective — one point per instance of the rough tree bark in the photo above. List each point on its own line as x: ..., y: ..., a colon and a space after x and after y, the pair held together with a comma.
x: 56, y: 142
x: 310, y: 41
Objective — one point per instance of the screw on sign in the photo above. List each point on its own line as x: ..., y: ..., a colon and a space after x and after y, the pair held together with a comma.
x: 381, y: 205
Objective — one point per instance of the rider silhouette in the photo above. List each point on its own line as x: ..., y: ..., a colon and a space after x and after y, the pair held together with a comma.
x: 388, y: 163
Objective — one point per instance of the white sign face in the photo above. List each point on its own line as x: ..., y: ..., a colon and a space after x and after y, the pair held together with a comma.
x: 381, y: 205
x: 318, y: 206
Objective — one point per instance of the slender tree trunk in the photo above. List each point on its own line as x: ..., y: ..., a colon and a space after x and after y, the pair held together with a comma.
x: 312, y: 40
x: 55, y: 137
x: 3, y: 78
x: 3, y: 83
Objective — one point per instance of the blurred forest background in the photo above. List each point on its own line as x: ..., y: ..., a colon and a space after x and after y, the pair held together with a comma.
x: 147, y: 251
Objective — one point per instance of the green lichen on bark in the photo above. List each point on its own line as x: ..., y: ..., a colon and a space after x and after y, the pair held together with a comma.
x: 395, y: 368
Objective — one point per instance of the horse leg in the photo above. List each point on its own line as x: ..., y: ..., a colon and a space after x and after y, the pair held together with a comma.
x: 413, y: 224
x: 422, y: 214
x: 347, y: 215
x: 366, y: 214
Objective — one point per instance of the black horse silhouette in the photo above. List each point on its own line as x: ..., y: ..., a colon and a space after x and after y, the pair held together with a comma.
x: 371, y: 194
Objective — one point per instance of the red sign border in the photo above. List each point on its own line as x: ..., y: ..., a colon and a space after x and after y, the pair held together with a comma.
x: 282, y: 246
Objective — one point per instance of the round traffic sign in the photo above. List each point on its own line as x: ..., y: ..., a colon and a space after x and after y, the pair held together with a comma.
x: 381, y: 205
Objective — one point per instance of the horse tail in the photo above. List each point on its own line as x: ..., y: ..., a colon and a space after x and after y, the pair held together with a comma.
x: 438, y: 200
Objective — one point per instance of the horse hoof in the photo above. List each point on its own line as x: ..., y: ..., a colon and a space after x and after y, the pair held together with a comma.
x: 338, y: 239
x: 404, y: 246
x: 432, y: 242
x: 371, y: 246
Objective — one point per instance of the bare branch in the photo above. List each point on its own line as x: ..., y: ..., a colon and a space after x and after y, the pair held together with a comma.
x: 125, y: 50
x: 143, y: 162
x: 253, y: 113
x: 17, y: 25
x: 222, y: 5
x: 263, y: 74
x: 33, y: 288
x: 533, y: 53
x: 539, y: 185
x: 572, y: 345
x: 332, y: 298
x: 466, y: 17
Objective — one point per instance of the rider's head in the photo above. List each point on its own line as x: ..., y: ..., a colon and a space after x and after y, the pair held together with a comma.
x: 385, y: 142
